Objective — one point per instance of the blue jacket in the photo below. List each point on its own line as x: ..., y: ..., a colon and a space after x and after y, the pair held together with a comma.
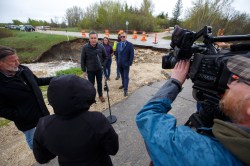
x: 171, y: 145
x: 125, y: 56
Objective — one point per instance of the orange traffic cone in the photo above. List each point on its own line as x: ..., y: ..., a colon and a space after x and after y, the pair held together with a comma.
x: 120, y: 32
x: 155, y: 42
x: 134, y: 35
x: 106, y: 33
x: 220, y: 32
x: 83, y: 34
x: 143, y: 38
x: 222, y: 45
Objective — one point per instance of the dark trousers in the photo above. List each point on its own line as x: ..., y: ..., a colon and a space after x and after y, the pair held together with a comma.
x: 107, y: 68
x: 98, y: 75
x: 124, y: 71
x: 117, y: 70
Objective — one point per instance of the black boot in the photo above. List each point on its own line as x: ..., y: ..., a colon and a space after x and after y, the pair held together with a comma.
x: 125, y: 93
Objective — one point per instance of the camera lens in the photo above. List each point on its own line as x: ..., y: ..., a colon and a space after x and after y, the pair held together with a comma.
x: 168, y: 61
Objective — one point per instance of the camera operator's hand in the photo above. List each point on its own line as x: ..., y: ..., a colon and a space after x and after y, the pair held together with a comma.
x: 180, y: 70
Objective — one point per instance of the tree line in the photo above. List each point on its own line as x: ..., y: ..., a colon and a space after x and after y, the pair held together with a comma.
x: 112, y: 15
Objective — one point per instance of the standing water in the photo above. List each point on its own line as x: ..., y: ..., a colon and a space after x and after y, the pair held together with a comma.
x: 47, y: 69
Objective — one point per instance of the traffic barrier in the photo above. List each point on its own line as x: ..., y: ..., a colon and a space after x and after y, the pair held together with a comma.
x: 134, y: 35
x: 83, y: 34
x: 220, y: 32
x: 143, y: 38
x: 221, y: 45
x: 155, y: 39
x: 120, y: 32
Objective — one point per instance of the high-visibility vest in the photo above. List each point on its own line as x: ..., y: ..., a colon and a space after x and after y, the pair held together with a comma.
x: 114, y: 46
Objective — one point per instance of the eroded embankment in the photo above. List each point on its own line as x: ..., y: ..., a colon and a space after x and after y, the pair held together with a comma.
x: 70, y: 50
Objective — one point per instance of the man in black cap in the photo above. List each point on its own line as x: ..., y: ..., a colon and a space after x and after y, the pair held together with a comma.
x: 21, y: 99
x: 74, y: 134
x: 171, y: 145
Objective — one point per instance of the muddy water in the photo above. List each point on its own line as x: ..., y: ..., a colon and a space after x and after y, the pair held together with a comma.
x: 45, y: 69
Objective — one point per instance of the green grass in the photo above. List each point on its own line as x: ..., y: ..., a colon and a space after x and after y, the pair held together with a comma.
x: 43, y: 88
x: 4, y: 33
x: 74, y: 70
x: 167, y: 37
x: 4, y: 122
x: 30, y: 45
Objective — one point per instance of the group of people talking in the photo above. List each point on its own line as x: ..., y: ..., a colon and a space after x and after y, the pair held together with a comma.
x: 80, y: 137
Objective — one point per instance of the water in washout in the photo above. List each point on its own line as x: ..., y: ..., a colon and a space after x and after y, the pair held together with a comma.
x: 45, y: 69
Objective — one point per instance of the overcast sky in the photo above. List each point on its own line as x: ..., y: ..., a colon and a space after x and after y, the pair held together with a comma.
x: 56, y: 9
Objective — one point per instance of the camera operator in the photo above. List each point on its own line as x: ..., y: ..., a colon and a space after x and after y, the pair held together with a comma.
x: 171, y: 145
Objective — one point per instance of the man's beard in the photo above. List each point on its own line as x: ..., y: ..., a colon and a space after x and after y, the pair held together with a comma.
x: 15, y: 69
x: 232, y: 107
x: 12, y: 71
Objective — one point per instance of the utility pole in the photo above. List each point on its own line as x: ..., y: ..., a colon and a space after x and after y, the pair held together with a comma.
x: 127, y: 25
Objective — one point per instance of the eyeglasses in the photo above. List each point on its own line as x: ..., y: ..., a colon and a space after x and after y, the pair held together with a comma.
x: 238, y: 79
x: 122, y: 36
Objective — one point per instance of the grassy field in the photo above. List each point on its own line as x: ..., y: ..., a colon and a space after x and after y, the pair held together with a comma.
x: 29, y: 45
x: 167, y: 37
x: 3, y: 122
x: 75, y: 70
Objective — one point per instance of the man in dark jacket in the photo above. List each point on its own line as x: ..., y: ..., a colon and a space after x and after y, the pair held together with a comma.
x: 125, y: 57
x: 75, y: 135
x: 93, y: 59
x: 21, y: 99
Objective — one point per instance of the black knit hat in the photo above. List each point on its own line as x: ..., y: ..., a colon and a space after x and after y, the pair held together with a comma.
x: 70, y: 94
x: 240, y: 66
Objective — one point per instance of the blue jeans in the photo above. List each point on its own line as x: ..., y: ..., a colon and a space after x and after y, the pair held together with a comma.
x: 29, y: 134
x: 98, y: 75
x: 107, y: 68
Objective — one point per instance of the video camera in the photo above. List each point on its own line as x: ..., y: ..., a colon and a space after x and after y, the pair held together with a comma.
x: 207, y: 71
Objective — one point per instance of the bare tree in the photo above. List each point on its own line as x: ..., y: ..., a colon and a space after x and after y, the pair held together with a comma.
x: 147, y: 7
x: 177, y: 12
x: 74, y: 16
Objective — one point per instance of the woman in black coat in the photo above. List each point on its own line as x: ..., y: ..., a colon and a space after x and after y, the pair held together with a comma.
x: 75, y: 135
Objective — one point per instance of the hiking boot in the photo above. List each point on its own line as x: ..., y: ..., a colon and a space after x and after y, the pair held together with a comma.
x: 102, y: 99
x: 117, y: 78
x: 125, y: 93
x: 121, y: 87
